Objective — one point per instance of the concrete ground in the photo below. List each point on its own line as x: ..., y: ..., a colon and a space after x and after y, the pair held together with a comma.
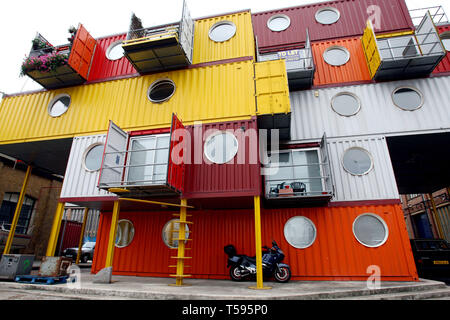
x: 126, y: 287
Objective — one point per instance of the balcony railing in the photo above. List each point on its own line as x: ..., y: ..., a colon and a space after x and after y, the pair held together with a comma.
x: 437, y: 13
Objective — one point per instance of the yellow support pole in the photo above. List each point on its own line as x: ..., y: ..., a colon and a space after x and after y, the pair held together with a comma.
x: 17, y: 212
x: 258, y: 244
x: 83, y: 228
x: 436, y: 217
x: 52, y: 242
x: 112, y: 234
x: 181, y: 244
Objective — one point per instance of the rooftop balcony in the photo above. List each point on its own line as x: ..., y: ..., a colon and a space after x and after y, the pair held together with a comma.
x: 437, y: 13
x: 160, y: 48
x: 60, y: 66
x: 299, y: 65
x: 404, y: 56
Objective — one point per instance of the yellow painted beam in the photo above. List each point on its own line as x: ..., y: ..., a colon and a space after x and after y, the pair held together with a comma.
x: 395, y: 34
x: 51, y: 247
x: 258, y: 245
x: 12, y: 231
x: 158, y: 203
x: 112, y: 235
x: 83, y: 229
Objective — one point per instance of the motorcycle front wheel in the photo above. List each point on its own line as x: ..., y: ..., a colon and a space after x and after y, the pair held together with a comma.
x: 282, y: 274
x: 235, y: 274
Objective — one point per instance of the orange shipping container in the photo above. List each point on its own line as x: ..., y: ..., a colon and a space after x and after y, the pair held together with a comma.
x: 354, y: 71
x: 334, y: 255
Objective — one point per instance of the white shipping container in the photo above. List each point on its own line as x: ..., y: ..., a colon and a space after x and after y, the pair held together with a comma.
x: 78, y: 181
x: 312, y: 113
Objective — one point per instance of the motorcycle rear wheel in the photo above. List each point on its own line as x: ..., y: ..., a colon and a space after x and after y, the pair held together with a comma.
x: 235, y: 274
x: 282, y: 274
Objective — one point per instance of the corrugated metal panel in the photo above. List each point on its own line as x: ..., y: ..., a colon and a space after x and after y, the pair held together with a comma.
x: 444, y: 218
x: 353, y: 71
x: 335, y: 255
x: 103, y: 68
x: 82, y: 51
x: 226, y: 180
x: 392, y: 16
x: 271, y: 85
x: 312, y: 116
x: 378, y: 184
x: 78, y: 182
x: 77, y: 214
x: 213, y: 93
x: 69, y: 236
x: 444, y: 66
x: 241, y: 45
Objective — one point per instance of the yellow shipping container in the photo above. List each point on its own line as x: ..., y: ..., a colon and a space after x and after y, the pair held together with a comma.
x: 241, y: 44
x: 214, y: 93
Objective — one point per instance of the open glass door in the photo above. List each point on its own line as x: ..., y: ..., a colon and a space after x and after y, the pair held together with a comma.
x: 187, y: 32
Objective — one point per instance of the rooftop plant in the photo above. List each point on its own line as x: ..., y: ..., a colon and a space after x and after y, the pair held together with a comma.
x: 45, y: 63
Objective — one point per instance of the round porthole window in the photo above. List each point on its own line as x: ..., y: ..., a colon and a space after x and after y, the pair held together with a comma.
x: 279, y: 22
x: 59, y: 105
x: 328, y: 15
x: 357, y: 161
x: 300, y: 232
x: 93, y: 157
x: 170, y: 233
x: 445, y: 37
x: 161, y: 90
x: 346, y: 104
x: 222, y: 31
x: 408, y: 99
x: 336, y: 56
x: 125, y: 233
x: 115, y: 51
x: 370, y: 230
x: 221, y: 147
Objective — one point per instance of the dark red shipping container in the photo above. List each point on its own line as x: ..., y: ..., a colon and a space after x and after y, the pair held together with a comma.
x: 69, y: 235
x: 390, y: 16
x: 238, y: 178
x: 444, y: 66
x: 103, y: 68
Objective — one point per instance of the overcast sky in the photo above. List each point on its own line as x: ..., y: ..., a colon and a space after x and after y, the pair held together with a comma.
x: 21, y: 19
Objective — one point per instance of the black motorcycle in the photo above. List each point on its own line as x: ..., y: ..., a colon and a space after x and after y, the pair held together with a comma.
x: 243, y: 267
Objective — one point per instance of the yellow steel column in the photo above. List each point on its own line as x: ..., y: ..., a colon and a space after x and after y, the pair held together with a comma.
x: 51, y: 247
x: 112, y: 234
x: 17, y: 212
x: 83, y: 228
x: 436, y: 216
x: 181, y: 244
x: 258, y: 244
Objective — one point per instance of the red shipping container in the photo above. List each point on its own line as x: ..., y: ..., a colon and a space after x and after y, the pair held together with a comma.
x: 389, y: 15
x: 104, y: 68
x: 69, y: 236
x: 444, y: 66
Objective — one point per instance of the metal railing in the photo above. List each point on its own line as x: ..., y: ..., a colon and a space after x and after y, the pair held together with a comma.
x: 138, y: 33
x: 297, y: 186
x: 123, y: 171
x: 304, y: 60
x: 437, y: 13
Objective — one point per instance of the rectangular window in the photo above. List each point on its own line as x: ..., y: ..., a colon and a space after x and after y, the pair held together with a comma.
x: 299, y: 174
x: 8, y: 208
x: 148, y: 160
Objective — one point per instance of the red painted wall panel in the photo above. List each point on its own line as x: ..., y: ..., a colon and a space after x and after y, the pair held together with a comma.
x: 69, y: 235
x: 444, y: 66
x: 103, y: 68
x: 225, y: 180
x: 394, y: 16
x: 335, y: 255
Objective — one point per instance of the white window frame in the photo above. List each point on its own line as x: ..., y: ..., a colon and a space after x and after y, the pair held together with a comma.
x: 328, y: 9
x: 312, y: 241
x: 54, y: 100
x: 278, y: 16
x: 340, y: 48
x: 187, y: 233
x: 386, y: 236
x: 364, y: 150
x: 119, y: 232
x: 155, y: 83
x: 422, y: 98
x: 130, y: 144
x: 214, y: 134
x: 86, y: 152
x: 112, y: 46
x: 217, y: 24
x: 348, y: 94
x: 293, y: 168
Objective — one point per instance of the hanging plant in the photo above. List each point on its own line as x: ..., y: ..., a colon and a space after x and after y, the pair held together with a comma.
x: 45, y: 63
